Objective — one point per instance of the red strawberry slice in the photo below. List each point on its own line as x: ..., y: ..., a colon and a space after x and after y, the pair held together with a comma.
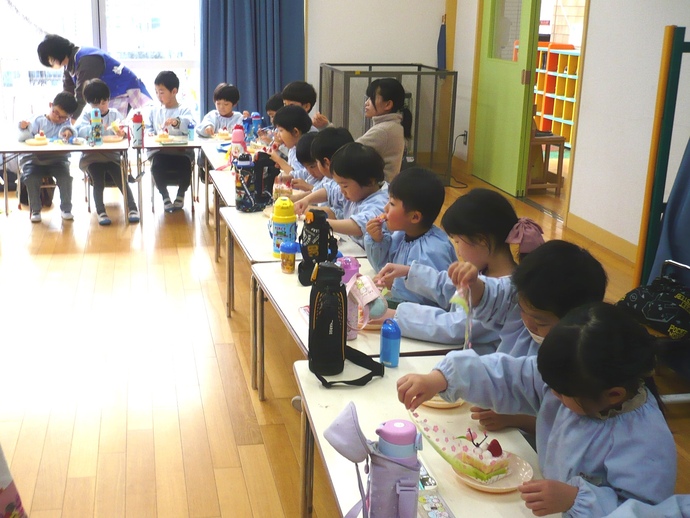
x: 495, y: 448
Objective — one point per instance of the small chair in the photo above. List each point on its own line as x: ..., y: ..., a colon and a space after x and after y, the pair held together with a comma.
x: 48, y: 182
x: 126, y: 168
x: 538, y: 173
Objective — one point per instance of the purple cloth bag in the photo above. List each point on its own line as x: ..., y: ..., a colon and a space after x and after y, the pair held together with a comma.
x: 393, y: 484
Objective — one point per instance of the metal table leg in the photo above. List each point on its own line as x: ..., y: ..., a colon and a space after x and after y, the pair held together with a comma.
x: 252, y: 332
x: 259, y: 334
x: 229, y: 273
x: 306, y: 467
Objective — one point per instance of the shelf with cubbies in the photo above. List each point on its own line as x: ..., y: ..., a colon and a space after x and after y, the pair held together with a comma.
x: 555, y: 88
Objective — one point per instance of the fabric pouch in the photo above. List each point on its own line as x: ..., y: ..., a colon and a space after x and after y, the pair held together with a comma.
x: 392, y: 485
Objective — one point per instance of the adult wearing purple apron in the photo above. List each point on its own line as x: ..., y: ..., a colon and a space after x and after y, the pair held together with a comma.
x: 83, y: 63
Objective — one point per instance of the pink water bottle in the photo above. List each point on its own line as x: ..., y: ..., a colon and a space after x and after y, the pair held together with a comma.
x: 350, y: 265
x: 399, y: 439
x: 238, y: 137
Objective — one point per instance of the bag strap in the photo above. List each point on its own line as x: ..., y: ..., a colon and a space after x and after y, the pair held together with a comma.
x: 361, y: 359
x: 407, y: 490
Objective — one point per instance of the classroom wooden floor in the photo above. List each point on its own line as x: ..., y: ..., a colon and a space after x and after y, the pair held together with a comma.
x: 126, y: 389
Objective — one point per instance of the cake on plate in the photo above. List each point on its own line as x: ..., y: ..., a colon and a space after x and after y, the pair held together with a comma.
x: 163, y: 137
x: 484, y: 461
x: 41, y: 138
x: 223, y: 134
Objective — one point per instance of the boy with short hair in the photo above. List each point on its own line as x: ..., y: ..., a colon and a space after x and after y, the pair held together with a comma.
x: 102, y: 163
x: 225, y: 98
x: 406, y: 231
x: 299, y: 93
x: 323, y: 147
x: 304, y: 95
x: 54, y: 125
x: 291, y: 122
x: 170, y: 166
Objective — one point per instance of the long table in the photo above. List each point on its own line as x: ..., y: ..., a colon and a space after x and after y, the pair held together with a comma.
x: 288, y: 296
x: 8, y: 148
x: 250, y: 232
x: 177, y: 142
x: 223, y: 181
x: 377, y: 402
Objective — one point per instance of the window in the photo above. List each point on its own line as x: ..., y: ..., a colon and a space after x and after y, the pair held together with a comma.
x: 146, y: 36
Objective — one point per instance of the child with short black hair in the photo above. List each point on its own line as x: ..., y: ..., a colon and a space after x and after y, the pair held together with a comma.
x: 314, y: 178
x: 36, y: 166
x: 98, y: 164
x: 291, y: 122
x: 299, y: 93
x: 274, y: 103
x: 170, y: 166
x: 358, y: 171
x: 225, y: 98
x: 406, y: 233
x: 601, y: 435
x: 484, y: 227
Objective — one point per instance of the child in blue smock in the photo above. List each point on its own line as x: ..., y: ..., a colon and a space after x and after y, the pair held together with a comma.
x: 483, y: 225
x: 601, y: 436
x: 53, y: 125
x: 316, y: 179
x: 103, y: 164
x: 323, y: 147
x: 550, y: 281
x: 225, y: 98
x: 406, y: 231
x: 358, y: 171
x: 291, y: 123
x: 170, y: 166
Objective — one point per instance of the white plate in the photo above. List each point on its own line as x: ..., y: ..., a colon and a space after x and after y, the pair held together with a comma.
x: 520, y: 472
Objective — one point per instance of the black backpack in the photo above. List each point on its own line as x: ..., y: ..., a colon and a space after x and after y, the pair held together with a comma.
x: 328, y: 327
x: 317, y: 244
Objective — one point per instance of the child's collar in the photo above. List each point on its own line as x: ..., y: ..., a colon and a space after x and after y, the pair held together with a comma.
x: 631, y: 404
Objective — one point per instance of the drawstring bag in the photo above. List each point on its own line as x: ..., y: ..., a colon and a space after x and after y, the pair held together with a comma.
x: 327, y: 328
x: 392, y: 484
x: 365, y: 302
x: 317, y: 244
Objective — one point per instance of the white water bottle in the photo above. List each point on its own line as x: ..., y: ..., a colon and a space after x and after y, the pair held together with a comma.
x: 137, y: 130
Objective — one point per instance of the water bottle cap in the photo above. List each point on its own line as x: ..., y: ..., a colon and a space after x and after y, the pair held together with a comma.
x: 289, y: 247
x: 137, y: 117
x: 190, y: 125
x: 283, y: 207
x: 390, y: 329
x: 256, y: 115
x: 397, y: 431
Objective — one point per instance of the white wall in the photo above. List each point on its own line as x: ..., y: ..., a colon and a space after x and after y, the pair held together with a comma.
x: 365, y: 31
x: 465, y: 34
x: 619, y: 86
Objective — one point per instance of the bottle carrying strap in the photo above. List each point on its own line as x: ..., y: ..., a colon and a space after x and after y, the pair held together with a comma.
x: 361, y: 359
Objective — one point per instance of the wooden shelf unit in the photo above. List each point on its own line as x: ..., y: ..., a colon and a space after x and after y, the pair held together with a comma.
x: 555, y: 87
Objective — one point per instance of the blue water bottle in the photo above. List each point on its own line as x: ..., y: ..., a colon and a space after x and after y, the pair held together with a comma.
x: 256, y: 124
x: 190, y: 131
x: 390, y: 343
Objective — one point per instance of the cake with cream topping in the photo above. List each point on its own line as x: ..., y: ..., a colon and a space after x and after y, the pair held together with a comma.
x: 484, y: 461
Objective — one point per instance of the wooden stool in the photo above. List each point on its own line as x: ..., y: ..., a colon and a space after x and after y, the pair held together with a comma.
x: 543, y: 145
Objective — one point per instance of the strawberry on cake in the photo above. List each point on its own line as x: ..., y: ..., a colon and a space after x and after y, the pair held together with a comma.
x: 484, y: 461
